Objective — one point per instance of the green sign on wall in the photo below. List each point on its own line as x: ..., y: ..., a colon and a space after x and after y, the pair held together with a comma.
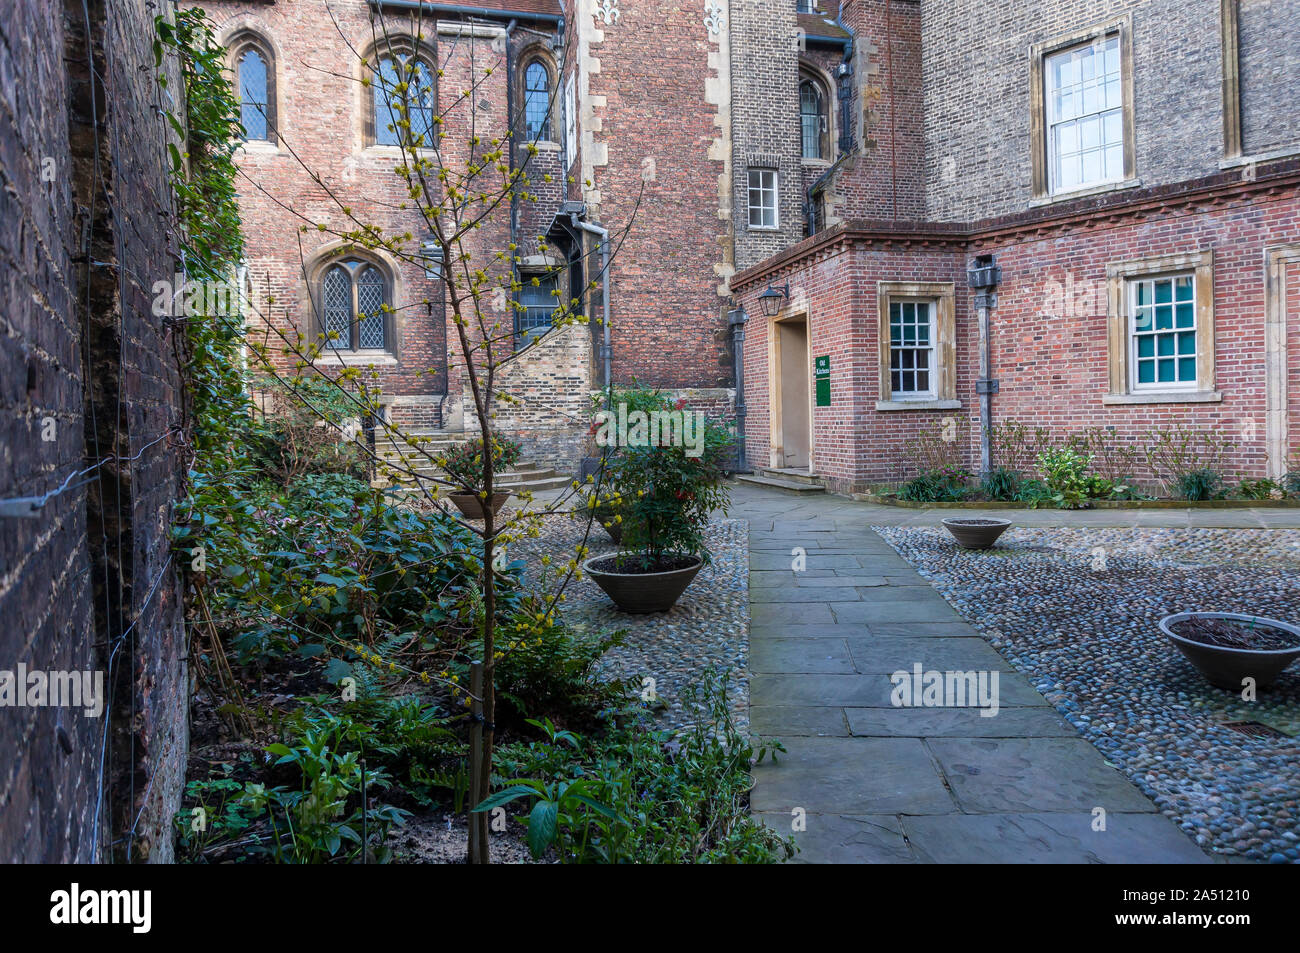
x: 822, y: 378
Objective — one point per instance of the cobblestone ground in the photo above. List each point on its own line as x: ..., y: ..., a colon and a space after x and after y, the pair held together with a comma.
x: 1076, y: 611
x: 709, y: 626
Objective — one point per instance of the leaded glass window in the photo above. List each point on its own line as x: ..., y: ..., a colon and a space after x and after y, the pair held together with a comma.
x: 539, y: 304
x: 911, y: 348
x: 1164, y: 332
x: 355, y: 305
x: 537, y: 98
x: 404, y: 87
x: 812, y: 119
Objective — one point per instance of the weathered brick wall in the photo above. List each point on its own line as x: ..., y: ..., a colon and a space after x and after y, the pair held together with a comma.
x: 977, y: 87
x: 88, y: 580
x: 545, y: 398
x: 885, y: 177
x: 660, y: 128
x: 321, y: 172
x: 1268, y: 62
x: 46, y: 812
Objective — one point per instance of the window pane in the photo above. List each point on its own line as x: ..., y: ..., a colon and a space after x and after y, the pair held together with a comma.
x: 811, y: 117
x: 1146, y: 372
x: 537, y: 95
x: 1186, y: 316
x: 1146, y: 346
x: 539, y: 304
x: 253, y: 94
x: 370, y: 301
x: 1084, y: 114
x: 1187, y: 370
x: 1166, y: 372
x: 383, y: 89
x: 1187, y: 342
x: 338, y: 308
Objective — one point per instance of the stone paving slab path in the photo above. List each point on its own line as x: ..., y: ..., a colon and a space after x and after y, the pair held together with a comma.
x: 883, y: 784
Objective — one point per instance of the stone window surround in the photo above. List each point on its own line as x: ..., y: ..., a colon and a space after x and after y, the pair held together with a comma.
x: 943, y: 294
x: 311, y: 311
x: 384, y: 46
x: 811, y: 73
x: 1277, y: 258
x: 1038, y: 53
x: 1118, y: 343
x: 537, y: 53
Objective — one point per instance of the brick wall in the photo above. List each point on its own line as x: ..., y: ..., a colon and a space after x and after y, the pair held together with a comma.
x: 1049, y: 331
x: 657, y: 128
x: 976, y: 82
x: 87, y: 580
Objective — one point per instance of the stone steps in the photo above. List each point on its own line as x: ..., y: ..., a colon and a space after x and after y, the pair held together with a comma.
x: 785, y: 479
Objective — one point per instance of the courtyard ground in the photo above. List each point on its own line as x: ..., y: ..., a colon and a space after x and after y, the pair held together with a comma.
x: 871, y: 782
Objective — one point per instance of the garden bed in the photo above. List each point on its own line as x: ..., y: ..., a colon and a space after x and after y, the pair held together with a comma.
x: 892, y: 499
x: 1077, y: 612
x: 708, y: 627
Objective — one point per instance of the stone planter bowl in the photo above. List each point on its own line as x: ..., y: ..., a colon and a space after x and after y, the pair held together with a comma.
x: 643, y: 591
x: 976, y: 532
x: 1225, y: 667
x: 469, y: 504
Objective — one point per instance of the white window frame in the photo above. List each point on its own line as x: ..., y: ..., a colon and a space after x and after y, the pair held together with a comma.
x: 762, y: 190
x: 570, y: 120
x: 1101, y: 47
x: 931, y: 350
x: 1132, y: 332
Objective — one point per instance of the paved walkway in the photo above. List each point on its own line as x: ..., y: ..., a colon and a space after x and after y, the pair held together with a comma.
x: 882, y: 784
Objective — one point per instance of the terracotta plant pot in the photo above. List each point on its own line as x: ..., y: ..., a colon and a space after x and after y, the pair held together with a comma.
x: 976, y: 532
x: 468, y: 503
x: 642, y: 591
x: 1225, y: 667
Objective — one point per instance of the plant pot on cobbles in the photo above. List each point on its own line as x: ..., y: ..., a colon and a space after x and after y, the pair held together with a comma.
x: 634, y: 587
x: 976, y: 532
x: 1228, y: 647
x: 472, y: 507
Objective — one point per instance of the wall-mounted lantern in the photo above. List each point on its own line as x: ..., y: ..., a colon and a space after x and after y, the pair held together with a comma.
x: 773, y: 298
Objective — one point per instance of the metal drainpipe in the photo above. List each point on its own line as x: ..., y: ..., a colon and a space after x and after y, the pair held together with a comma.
x: 984, y: 276
x: 737, y: 318
x: 603, y: 235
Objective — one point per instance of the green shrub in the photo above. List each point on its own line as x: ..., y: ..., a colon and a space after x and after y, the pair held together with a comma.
x: 553, y: 670
x: 640, y: 795
x: 1065, y: 472
x: 1291, y: 483
x: 1001, y: 484
x: 1203, y: 484
x: 666, y: 494
x: 464, y: 463
x: 936, y: 486
x: 1259, y: 489
x: 318, y: 816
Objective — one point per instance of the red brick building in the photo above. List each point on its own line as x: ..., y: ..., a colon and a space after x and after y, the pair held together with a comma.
x: 1143, y: 213
x: 863, y: 154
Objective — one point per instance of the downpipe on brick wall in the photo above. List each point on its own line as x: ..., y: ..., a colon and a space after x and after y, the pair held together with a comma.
x: 603, y: 235
x: 983, y: 276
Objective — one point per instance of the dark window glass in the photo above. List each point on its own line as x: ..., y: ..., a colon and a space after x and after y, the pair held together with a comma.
x: 416, y: 102
x: 353, y: 298
x: 812, y: 118
x: 539, y: 306
x: 537, y: 97
x: 253, y: 88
